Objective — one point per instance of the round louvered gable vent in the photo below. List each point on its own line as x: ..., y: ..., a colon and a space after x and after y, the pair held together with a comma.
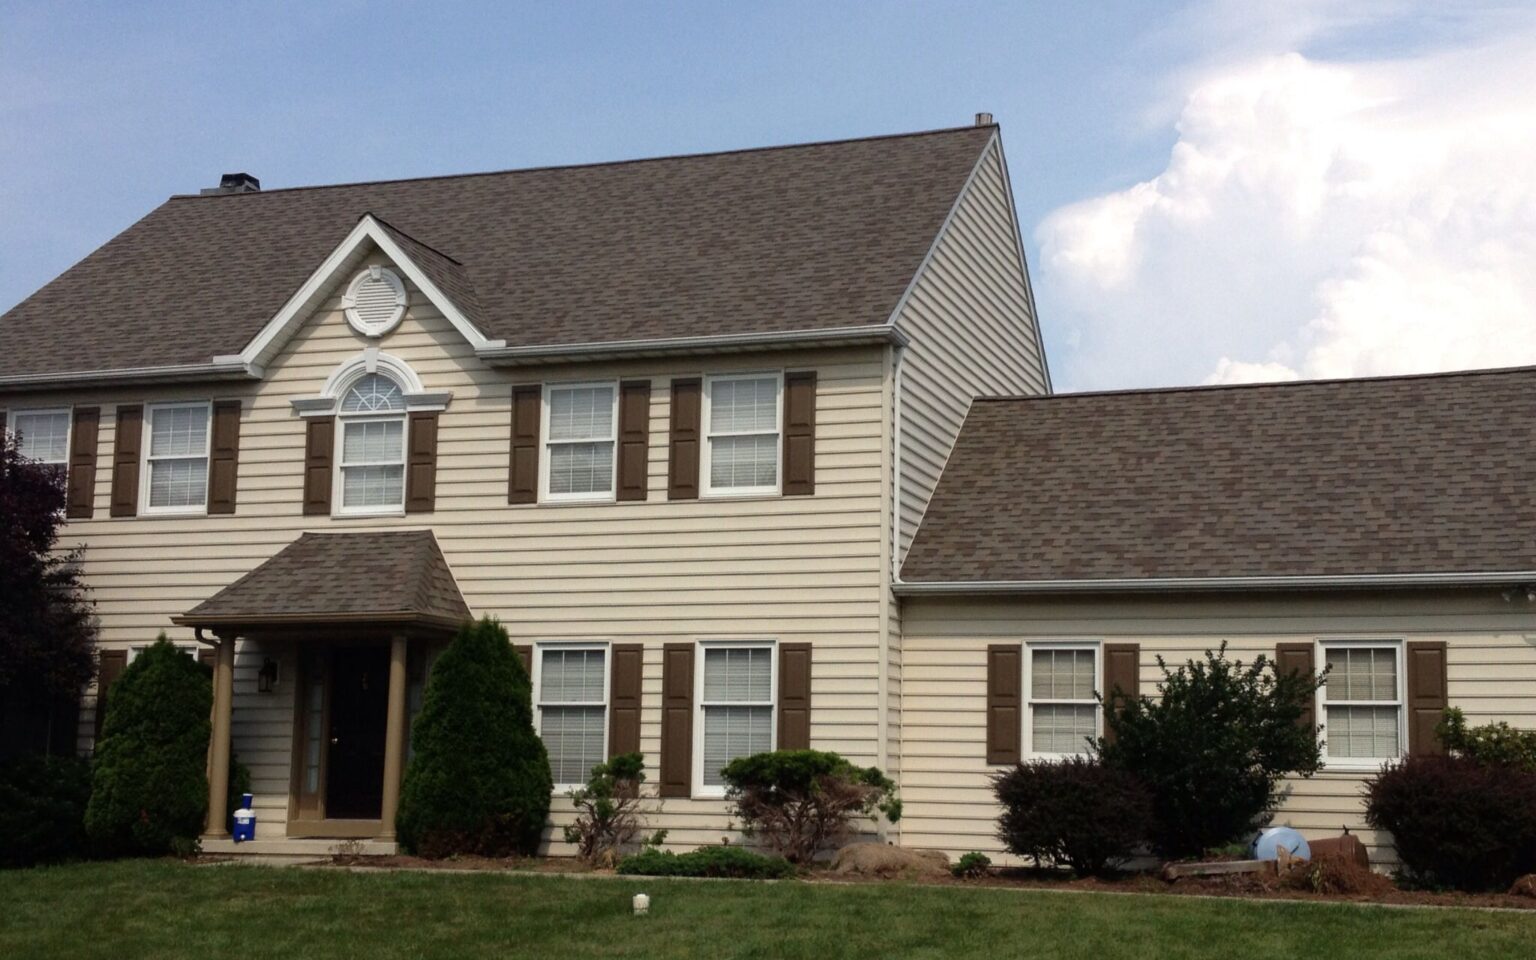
x: 374, y: 301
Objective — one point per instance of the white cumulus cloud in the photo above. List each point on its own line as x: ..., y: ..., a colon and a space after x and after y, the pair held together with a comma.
x: 1315, y: 219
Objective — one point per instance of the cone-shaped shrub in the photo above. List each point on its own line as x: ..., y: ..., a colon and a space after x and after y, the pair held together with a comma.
x: 479, y: 782
x: 149, y: 786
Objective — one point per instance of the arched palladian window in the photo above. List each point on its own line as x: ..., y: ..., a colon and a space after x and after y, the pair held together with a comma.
x: 372, y: 446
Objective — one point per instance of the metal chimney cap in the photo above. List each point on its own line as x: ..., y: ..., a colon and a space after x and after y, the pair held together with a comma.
x: 234, y: 183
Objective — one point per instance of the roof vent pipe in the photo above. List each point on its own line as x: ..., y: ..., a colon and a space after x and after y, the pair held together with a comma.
x: 234, y: 183
x: 983, y: 119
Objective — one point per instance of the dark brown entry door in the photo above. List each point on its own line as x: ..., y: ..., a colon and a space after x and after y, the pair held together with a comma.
x: 359, y: 708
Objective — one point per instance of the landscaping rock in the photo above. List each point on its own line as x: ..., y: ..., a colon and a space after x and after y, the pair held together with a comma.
x: 889, y: 861
x: 1524, y: 887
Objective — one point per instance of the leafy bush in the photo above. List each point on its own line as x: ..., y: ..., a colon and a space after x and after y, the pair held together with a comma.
x: 479, y: 782
x: 1213, y: 747
x: 1077, y: 812
x: 149, y: 787
x: 608, y: 809
x: 42, y: 809
x: 706, y: 862
x: 971, y: 865
x: 799, y: 802
x: 1498, y: 744
x: 1456, y: 822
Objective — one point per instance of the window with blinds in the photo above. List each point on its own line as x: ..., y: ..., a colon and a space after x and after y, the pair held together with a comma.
x: 1063, y: 713
x: 1362, y: 702
x: 736, y: 699
x: 42, y: 435
x: 580, y: 438
x: 372, y: 439
x: 741, y: 450
x: 573, y: 710
x: 176, y: 458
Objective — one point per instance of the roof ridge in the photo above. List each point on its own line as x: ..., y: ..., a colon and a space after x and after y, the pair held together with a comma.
x: 587, y: 166
x: 413, y: 238
x: 1267, y: 384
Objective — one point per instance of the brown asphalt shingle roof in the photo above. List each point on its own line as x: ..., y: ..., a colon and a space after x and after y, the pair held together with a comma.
x: 1405, y: 475
x: 786, y: 239
x: 396, y: 576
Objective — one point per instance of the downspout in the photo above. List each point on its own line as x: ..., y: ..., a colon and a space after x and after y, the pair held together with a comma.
x: 900, y: 351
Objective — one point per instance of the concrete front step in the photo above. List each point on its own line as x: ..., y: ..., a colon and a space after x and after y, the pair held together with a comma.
x: 301, y: 847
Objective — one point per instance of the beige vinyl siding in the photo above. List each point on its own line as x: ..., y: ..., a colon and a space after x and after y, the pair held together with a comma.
x: 948, y: 803
x: 794, y: 569
x: 970, y: 319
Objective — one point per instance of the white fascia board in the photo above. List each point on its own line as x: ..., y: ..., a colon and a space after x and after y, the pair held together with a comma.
x: 737, y: 342
x: 286, y: 320
x: 223, y: 368
x: 1181, y: 584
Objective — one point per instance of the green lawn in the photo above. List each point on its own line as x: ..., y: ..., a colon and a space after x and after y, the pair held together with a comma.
x: 167, y: 910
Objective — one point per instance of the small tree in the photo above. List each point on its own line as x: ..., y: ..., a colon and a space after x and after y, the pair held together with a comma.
x: 608, y: 810
x: 47, y: 624
x: 799, y: 802
x: 480, y: 781
x: 1077, y: 812
x: 149, y: 788
x: 1213, y: 747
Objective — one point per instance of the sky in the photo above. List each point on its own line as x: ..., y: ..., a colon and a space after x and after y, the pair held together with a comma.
x: 1209, y: 192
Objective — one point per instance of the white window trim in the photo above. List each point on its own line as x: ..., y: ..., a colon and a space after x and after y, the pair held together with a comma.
x: 1321, y: 702
x: 545, y: 443
x: 187, y: 647
x: 1028, y: 734
x: 9, y: 424
x: 700, y: 789
x: 338, y: 475
x: 706, y: 488
x: 539, y: 648
x: 146, y: 443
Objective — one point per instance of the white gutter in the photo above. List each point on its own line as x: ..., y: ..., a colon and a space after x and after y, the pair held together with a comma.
x: 544, y: 353
x: 87, y: 378
x: 1181, y: 584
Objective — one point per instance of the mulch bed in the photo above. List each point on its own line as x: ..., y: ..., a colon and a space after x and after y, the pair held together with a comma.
x: 1244, y: 886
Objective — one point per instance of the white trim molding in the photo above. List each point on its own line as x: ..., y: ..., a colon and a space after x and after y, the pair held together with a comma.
x: 504, y: 356
x: 1179, y: 584
x: 371, y: 360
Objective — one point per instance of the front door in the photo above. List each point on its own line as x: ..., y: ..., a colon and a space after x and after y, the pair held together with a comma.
x: 354, y: 778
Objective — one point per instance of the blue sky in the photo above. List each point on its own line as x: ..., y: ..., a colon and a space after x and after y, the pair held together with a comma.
x: 109, y: 108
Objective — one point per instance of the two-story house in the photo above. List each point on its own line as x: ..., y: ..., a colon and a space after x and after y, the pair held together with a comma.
x: 680, y: 424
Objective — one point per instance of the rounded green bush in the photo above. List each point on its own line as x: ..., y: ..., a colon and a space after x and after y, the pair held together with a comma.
x: 479, y: 782
x: 42, y: 809
x: 149, y: 786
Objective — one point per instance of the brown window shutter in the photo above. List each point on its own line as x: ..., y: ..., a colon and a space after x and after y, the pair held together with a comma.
x: 527, y: 410
x: 634, y: 439
x: 676, y: 720
x: 319, y: 448
x: 1427, y: 695
x: 800, y: 433
x: 525, y: 657
x: 125, y: 460
x: 1299, y: 658
x: 624, y: 699
x: 113, y: 662
x: 794, y: 696
x: 683, y: 455
x: 421, y: 463
x: 1122, y: 678
x: 224, y: 456
x: 1005, y: 722
x: 81, y: 501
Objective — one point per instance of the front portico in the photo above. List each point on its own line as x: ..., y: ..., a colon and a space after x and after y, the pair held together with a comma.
x: 351, y: 613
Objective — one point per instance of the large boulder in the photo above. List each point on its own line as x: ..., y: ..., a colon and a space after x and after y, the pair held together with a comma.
x: 888, y: 861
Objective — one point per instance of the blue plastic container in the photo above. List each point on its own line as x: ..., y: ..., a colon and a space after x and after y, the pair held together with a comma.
x: 245, y: 820
x: 1267, y: 845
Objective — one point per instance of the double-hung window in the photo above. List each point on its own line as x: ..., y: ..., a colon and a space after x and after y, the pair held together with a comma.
x: 42, y: 435
x: 571, y: 682
x: 372, y: 441
x: 1063, y: 712
x: 1363, y: 702
x: 580, y: 427
x: 742, y: 434
x: 176, y: 458
x: 736, y: 703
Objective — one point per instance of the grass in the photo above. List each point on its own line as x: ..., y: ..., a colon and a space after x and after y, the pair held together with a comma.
x: 168, y: 910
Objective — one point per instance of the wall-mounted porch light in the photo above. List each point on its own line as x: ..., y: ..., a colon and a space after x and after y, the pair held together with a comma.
x: 266, y: 677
